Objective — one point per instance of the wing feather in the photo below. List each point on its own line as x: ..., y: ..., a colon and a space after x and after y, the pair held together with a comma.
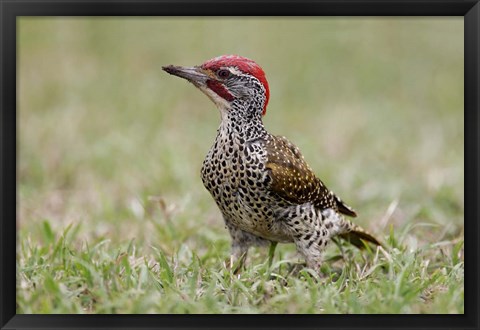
x: 294, y: 181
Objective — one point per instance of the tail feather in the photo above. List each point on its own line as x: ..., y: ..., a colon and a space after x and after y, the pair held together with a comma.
x: 356, y: 235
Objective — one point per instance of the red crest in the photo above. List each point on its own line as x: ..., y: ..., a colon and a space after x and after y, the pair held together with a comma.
x: 243, y: 64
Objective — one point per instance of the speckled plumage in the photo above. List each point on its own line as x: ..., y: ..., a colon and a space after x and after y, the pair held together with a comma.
x: 261, y: 183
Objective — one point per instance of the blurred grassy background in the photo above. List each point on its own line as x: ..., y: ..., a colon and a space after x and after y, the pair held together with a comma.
x: 109, y: 141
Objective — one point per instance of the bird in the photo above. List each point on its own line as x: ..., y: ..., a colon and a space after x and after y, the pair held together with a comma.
x: 265, y: 190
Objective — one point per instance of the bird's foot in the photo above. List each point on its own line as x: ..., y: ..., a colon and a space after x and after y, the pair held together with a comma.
x: 295, y: 268
x: 235, y: 264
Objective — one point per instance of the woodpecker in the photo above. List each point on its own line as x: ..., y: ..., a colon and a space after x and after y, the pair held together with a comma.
x: 264, y: 188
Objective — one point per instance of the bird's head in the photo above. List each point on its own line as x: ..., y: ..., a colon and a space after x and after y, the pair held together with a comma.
x: 227, y: 80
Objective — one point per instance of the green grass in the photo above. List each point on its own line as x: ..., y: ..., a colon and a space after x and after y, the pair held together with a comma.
x: 113, y: 217
x: 61, y: 277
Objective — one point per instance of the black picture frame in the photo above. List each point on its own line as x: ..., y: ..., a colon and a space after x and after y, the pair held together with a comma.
x: 10, y: 10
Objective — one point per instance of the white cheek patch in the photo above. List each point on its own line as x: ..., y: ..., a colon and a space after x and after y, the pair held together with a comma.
x: 220, y: 102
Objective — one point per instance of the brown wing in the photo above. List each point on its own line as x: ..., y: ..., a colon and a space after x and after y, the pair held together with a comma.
x: 294, y: 181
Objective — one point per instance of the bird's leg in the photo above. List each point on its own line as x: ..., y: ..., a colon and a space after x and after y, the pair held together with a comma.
x: 311, y: 252
x: 239, y: 250
x: 312, y: 237
x: 238, y: 257
x: 241, y: 242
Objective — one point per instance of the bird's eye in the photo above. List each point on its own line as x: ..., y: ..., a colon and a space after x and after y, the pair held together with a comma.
x: 223, y: 73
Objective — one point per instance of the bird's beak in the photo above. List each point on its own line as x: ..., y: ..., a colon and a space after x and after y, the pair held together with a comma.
x: 195, y: 75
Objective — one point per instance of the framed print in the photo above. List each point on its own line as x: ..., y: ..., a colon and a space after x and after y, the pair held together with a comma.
x: 225, y: 164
